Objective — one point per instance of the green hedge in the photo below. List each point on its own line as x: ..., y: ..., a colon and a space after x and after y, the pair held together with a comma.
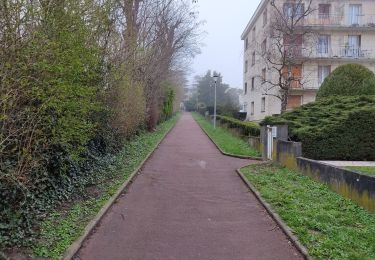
x: 338, y: 128
x: 246, y: 128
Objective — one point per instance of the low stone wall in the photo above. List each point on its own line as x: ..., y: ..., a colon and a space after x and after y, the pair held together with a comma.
x: 286, y: 153
x: 255, y: 142
x: 359, y: 188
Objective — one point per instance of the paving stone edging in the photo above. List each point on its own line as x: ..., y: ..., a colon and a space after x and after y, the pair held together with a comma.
x: 229, y: 154
x: 284, y: 227
x: 77, y: 244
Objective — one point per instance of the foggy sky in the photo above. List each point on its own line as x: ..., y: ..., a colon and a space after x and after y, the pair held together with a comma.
x: 223, y: 51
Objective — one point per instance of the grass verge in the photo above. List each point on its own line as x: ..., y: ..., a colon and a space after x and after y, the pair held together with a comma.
x: 363, y: 169
x: 330, y: 226
x: 63, y: 227
x: 225, y: 140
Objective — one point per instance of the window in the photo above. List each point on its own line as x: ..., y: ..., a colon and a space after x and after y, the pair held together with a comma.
x: 253, y: 34
x: 323, y: 72
x: 245, y: 107
x: 293, y: 45
x: 288, y: 9
x: 324, y: 11
x: 355, y: 12
x: 246, y: 43
x: 246, y: 65
x: 294, y: 101
x: 295, y: 74
x: 252, y: 108
x: 353, y: 47
x: 294, y: 10
x: 252, y: 83
x: 253, y: 59
x: 245, y: 88
x: 263, y: 105
x: 265, y: 17
x: 324, y: 44
x: 263, y: 75
x: 264, y: 46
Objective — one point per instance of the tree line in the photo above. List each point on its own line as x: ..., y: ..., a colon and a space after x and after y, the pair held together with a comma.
x: 203, y: 96
x: 79, y: 77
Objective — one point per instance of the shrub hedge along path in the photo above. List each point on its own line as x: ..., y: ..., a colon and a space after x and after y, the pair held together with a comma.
x: 188, y: 203
x: 337, y: 128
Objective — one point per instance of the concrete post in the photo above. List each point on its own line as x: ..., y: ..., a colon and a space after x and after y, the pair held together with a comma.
x: 282, y: 132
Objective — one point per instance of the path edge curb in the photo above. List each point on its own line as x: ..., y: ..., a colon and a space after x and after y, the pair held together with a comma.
x: 77, y: 244
x: 229, y: 154
x: 284, y: 227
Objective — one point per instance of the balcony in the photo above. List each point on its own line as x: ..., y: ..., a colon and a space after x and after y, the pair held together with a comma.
x: 342, y: 52
x: 340, y: 21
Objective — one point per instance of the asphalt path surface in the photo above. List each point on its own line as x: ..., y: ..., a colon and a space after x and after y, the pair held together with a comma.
x: 188, y: 203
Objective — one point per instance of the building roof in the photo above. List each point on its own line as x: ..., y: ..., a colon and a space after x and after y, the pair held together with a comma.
x: 254, y: 18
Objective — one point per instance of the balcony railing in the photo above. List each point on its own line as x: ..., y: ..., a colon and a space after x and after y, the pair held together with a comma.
x: 344, y: 52
x: 335, y: 20
x: 347, y: 52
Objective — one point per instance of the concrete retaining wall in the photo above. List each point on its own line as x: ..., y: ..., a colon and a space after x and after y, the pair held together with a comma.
x: 359, y: 188
x: 286, y: 153
x: 255, y: 142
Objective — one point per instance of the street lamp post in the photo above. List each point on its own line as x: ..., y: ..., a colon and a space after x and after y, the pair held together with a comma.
x: 216, y: 77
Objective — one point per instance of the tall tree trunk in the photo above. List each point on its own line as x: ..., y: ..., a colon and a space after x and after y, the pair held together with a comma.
x: 153, y: 113
x: 284, y: 100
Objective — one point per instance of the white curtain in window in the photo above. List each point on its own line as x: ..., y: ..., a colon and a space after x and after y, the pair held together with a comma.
x: 355, y: 14
x: 354, y: 42
x: 323, y: 72
x: 323, y: 46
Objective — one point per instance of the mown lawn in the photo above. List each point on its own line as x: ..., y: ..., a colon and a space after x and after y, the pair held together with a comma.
x: 363, y: 169
x: 63, y: 227
x: 330, y: 226
x: 225, y: 140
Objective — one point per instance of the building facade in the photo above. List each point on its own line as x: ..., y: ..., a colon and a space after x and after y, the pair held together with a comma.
x: 344, y: 32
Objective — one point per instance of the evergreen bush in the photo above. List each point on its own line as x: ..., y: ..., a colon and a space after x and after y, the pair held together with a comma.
x: 337, y: 128
x: 348, y: 80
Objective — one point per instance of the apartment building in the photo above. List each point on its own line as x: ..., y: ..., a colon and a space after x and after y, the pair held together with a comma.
x: 344, y: 33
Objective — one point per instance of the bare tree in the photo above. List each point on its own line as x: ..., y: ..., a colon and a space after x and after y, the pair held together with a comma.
x: 158, y: 38
x: 288, y: 44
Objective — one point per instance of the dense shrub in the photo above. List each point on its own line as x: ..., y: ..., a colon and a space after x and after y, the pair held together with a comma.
x: 127, y: 105
x: 245, y: 127
x: 169, y: 94
x: 74, y: 87
x: 241, y: 116
x: 338, y: 128
x: 348, y: 80
x: 48, y: 98
x: 190, y: 105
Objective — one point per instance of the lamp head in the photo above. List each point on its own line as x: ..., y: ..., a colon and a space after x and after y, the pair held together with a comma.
x: 216, y: 77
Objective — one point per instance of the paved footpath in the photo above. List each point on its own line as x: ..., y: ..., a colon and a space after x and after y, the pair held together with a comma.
x: 188, y: 203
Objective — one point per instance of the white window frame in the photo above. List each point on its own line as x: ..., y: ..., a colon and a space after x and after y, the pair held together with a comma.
x: 263, y: 105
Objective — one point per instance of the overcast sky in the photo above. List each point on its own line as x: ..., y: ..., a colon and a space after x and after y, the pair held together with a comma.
x: 223, y: 49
